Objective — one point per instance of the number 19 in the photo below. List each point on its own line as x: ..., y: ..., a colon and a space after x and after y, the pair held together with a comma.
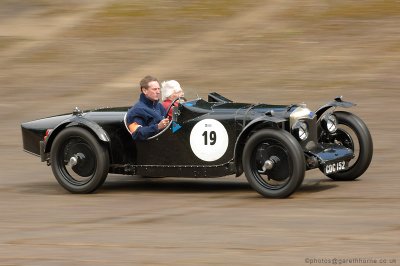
x: 213, y: 137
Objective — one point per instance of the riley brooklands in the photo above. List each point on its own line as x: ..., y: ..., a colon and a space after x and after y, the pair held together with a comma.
x: 274, y: 145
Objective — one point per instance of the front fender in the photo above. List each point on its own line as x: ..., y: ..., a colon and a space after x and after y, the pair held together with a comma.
x: 77, y: 121
x: 337, y: 102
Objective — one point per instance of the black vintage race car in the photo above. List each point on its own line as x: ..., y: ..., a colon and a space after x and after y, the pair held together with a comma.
x: 272, y: 144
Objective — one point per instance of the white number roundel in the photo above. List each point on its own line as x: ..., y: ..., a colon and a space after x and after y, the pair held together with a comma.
x: 209, y: 140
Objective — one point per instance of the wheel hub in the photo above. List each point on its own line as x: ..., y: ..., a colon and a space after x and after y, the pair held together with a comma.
x: 72, y: 161
x: 80, y: 159
x: 272, y: 161
x: 269, y: 164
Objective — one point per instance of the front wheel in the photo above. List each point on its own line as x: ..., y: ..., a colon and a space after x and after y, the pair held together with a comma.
x: 79, y: 162
x: 353, y: 134
x: 273, y: 162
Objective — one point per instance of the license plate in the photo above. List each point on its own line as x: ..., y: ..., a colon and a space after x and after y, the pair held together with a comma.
x: 335, y: 167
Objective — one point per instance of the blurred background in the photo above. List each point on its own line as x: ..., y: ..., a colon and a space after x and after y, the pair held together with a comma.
x: 55, y: 55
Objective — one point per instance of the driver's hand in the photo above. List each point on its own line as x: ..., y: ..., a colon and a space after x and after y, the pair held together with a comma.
x: 163, y: 123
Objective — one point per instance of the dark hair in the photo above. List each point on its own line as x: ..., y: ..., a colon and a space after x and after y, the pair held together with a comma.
x: 144, y: 83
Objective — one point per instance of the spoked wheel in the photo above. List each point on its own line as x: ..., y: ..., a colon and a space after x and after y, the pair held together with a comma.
x: 353, y: 134
x: 79, y: 162
x: 273, y: 162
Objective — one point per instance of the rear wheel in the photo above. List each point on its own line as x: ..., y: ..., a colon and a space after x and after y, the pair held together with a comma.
x: 79, y: 162
x: 273, y: 162
x: 353, y: 134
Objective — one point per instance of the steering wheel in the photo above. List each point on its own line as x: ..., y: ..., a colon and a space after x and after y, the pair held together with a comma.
x: 172, y: 104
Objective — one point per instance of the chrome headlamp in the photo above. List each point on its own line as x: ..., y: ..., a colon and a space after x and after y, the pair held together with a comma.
x: 300, y: 130
x: 329, y: 123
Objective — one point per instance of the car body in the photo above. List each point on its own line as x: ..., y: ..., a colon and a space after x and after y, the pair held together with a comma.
x: 274, y: 145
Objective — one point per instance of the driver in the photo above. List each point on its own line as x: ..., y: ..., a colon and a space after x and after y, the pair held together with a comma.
x: 171, y: 90
x: 147, y: 117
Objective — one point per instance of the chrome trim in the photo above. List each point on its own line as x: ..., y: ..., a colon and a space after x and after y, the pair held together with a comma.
x: 300, y: 112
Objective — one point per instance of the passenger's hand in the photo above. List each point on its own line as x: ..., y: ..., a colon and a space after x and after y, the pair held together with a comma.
x: 163, y: 123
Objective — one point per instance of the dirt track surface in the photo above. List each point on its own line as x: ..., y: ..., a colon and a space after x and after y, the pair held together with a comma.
x: 55, y: 56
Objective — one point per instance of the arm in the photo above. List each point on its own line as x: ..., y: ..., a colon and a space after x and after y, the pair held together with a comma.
x: 142, y: 122
x: 140, y: 132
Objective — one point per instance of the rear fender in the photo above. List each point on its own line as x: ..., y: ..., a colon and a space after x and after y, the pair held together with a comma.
x: 262, y: 122
x: 93, y: 127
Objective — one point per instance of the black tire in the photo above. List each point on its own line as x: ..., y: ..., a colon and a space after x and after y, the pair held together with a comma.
x: 354, y: 134
x: 92, y: 160
x: 289, y: 168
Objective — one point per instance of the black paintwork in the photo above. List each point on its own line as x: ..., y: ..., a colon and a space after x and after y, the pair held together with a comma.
x: 169, y: 153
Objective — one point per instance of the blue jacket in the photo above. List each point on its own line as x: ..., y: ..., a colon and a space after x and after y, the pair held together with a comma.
x: 147, y: 114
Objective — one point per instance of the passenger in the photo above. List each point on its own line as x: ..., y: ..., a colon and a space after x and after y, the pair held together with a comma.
x: 171, y: 90
x: 147, y: 117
